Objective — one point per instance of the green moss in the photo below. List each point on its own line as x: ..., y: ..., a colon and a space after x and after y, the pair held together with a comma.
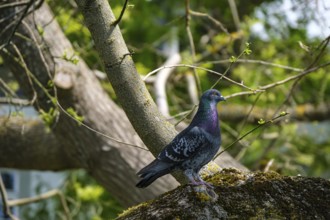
x: 203, y: 196
x: 227, y: 177
x: 129, y: 210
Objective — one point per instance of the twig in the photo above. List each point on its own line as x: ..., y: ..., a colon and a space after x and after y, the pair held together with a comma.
x: 228, y: 68
x: 121, y: 14
x: 252, y: 130
x: 305, y: 72
x: 47, y: 195
x: 28, y: 5
x: 13, y: 4
x: 186, y: 114
x: 216, y: 22
x: 192, y: 46
x: 7, y: 88
x: 234, y: 12
x: 5, y: 202
x: 323, y: 44
x: 269, y: 164
x: 257, y: 62
x: 57, y: 105
x: 100, y: 133
x: 205, y: 69
x: 249, y: 113
x: 14, y: 101
x: 173, y: 57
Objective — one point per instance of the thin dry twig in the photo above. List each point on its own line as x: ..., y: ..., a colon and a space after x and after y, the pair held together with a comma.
x: 251, y: 131
x: 121, y: 14
x: 256, y: 62
x: 234, y: 12
x: 215, y: 21
x: 97, y: 132
x: 44, y: 196
x: 25, y: 12
x: 192, y: 46
x: 5, y: 203
x: 204, y: 69
x: 303, y: 73
x: 14, y: 101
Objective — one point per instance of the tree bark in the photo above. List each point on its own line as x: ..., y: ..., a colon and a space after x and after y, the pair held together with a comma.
x: 242, y: 196
x: 26, y: 144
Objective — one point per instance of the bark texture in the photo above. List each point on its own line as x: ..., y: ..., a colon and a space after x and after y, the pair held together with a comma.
x: 26, y: 144
x: 242, y: 196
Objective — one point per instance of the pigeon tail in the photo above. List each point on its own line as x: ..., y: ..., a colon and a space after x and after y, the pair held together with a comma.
x: 151, y: 172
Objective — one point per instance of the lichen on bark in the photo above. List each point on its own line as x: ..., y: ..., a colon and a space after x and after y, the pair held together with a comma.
x: 243, y: 195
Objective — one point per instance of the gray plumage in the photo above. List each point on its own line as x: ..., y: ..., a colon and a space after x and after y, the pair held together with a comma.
x: 192, y: 148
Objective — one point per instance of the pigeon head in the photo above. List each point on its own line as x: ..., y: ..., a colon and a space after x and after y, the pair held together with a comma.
x: 212, y: 96
x: 207, y: 114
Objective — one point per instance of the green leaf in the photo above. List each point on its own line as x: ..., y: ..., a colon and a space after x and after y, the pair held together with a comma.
x: 261, y: 121
x: 75, y: 115
x: 232, y: 59
x: 40, y: 30
x: 48, y: 117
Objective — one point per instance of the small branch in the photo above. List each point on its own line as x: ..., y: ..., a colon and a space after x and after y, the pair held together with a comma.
x: 204, y: 69
x: 7, y: 88
x: 5, y: 203
x: 15, y: 101
x: 173, y: 57
x: 13, y: 4
x: 257, y: 62
x: 98, y: 132
x: 121, y: 14
x: 234, y: 12
x: 294, y: 77
x: 251, y: 131
x: 192, y: 46
x: 323, y: 46
x: 216, y: 22
x: 25, y: 12
x: 44, y: 196
x: 228, y: 68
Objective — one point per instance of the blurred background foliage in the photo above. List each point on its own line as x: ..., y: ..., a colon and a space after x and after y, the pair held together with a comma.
x: 279, y: 32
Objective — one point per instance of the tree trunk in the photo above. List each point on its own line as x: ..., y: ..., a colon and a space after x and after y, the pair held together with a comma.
x: 242, y: 196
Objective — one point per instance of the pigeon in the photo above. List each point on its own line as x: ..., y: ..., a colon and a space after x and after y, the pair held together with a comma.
x: 192, y: 148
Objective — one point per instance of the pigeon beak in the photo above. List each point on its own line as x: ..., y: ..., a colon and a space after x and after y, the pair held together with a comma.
x: 222, y: 98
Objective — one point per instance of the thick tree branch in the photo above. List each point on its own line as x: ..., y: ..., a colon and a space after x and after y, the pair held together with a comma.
x: 242, y: 196
x: 44, y: 152
x: 136, y: 101
x: 26, y: 144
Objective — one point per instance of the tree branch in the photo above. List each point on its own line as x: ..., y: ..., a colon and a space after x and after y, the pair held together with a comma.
x: 242, y: 195
x: 26, y: 144
x: 6, y: 206
x: 136, y: 101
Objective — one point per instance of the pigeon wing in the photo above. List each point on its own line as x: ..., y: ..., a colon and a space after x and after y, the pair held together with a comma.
x: 184, y: 145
